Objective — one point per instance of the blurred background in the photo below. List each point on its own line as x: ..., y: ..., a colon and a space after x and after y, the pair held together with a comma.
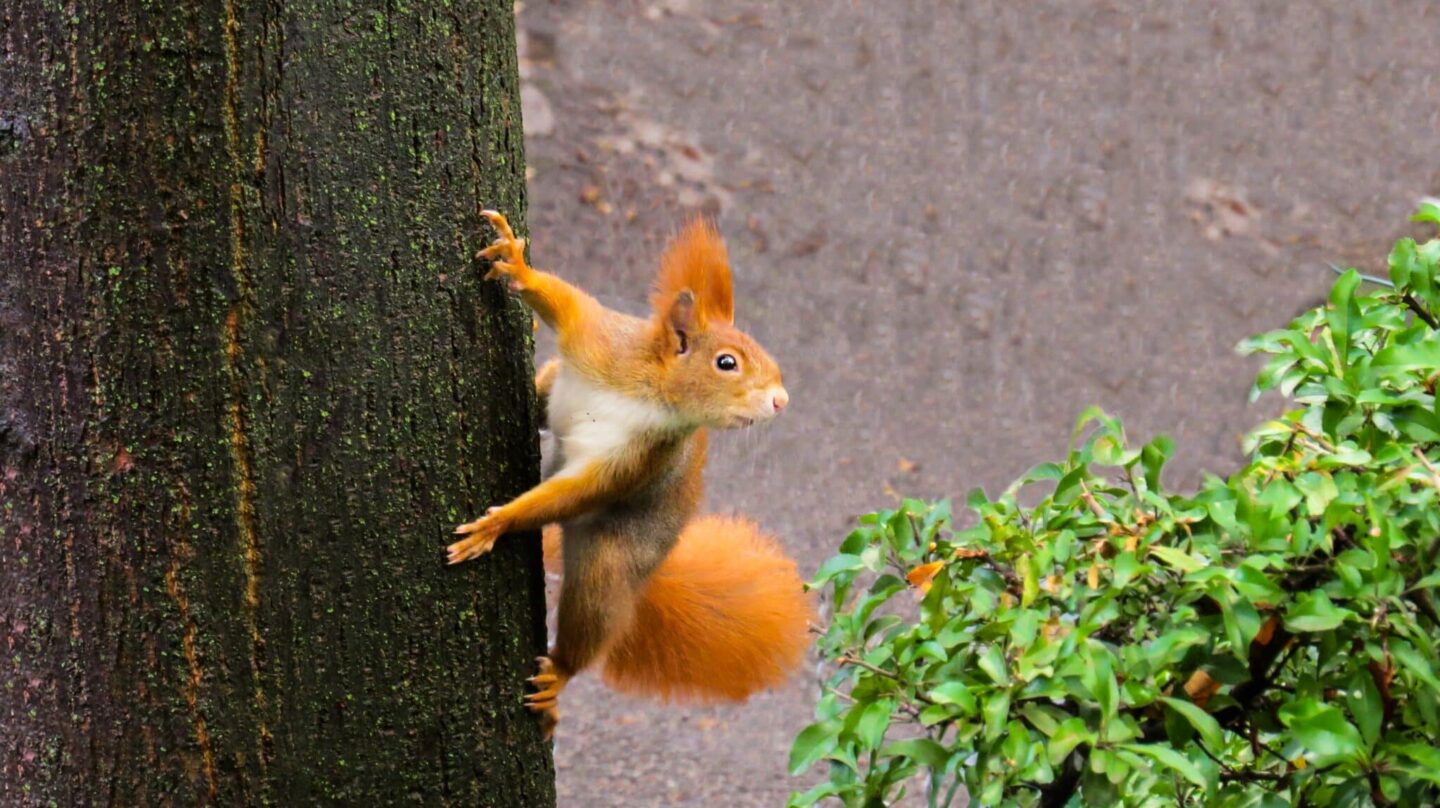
x: 955, y: 225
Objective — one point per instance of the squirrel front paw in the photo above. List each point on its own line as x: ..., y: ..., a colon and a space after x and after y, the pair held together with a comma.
x: 480, y: 535
x: 506, y: 253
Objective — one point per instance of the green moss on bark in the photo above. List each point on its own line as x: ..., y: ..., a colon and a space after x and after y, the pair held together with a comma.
x: 250, y: 379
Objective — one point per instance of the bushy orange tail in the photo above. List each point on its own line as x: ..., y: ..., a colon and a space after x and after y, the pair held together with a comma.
x: 724, y: 616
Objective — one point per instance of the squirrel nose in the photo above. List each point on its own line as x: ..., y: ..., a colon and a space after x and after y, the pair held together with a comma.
x: 779, y: 400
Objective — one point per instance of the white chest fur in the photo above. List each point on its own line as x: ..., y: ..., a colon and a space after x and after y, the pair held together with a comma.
x: 591, y: 422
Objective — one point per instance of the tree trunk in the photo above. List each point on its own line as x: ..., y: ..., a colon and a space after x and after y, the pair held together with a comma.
x: 249, y: 378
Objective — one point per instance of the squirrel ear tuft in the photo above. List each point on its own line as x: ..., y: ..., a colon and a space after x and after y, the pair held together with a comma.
x: 682, y: 318
x: 695, y: 262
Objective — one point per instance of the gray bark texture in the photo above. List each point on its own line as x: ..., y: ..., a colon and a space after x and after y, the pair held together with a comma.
x: 249, y: 379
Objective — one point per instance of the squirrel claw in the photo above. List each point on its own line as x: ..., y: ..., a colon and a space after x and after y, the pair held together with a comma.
x: 545, y: 700
x: 472, y: 547
x: 498, y: 221
x: 509, y: 249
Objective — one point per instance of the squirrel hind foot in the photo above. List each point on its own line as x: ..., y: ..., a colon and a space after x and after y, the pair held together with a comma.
x: 545, y: 700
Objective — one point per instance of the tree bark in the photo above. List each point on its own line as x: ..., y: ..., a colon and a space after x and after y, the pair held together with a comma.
x: 249, y: 379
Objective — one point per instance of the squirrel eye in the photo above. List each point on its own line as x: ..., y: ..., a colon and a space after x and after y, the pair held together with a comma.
x: 726, y: 362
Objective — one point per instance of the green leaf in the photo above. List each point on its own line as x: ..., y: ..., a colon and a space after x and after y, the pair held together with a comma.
x: 1343, y: 314
x: 1107, y: 691
x: 1023, y: 630
x: 1241, y: 623
x: 1402, y: 262
x: 1319, y: 490
x: 1108, y: 451
x: 836, y: 565
x: 992, y: 662
x: 1169, y: 758
x: 921, y: 750
x: 953, y: 692
x: 1313, y: 611
x: 856, y: 541
x: 1153, y: 457
x: 1176, y: 558
x: 933, y: 651
x: 1429, y: 212
x: 870, y: 729
x: 933, y: 714
x: 1363, y: 699
x: 899, y: 531
x: 1118, y: 767
x: 975, y: 499
x: 1428, y: 582
x: 1029, y: 580
x: 1042, y: 471
x: 1087, y: 416
x: 1170, y: 647
x: 1043, y: 717
x: 820, y: 792
x: 1411, y: 660
x: 1427, y: 756
x: 1322, y: 729
x: 996, y: 710
x: 1415, y: 356
x: 1204, y: 723
x: 1070, y: 734
x: 813, y: 742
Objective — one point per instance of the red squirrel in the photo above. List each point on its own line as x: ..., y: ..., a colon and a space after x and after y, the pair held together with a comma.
x: 676, y: 606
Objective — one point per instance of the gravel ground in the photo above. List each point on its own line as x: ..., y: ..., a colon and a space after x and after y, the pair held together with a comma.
x: 956, y: 224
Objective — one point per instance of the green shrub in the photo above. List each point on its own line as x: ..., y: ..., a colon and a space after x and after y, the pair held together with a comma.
x: 1268, y: 640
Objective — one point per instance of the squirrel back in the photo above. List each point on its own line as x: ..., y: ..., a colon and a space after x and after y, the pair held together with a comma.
x: 724, y: 616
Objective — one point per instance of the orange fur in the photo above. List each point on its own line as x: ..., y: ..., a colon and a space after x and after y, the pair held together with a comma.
x: 717, y: 612
x: 725, y: 615
x: 554, y: 549
x: 561, y: 498
x: 696, y: 260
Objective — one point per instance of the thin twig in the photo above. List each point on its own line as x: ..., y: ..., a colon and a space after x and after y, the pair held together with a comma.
x: 1378, y: 281
x: 1415, y: 306
x: 891, y: 675
x: 1434, y: 481
x: 914, y: 526
x: 1376, y: 795
x: 1422, y: 601
x: 1094, y: 505
x: 1313, y: 435
x: 1430, y: 467
x: 860, y: 663
x: 1227, y: 773
x: 1011, y: 579
x: 1284, y: 453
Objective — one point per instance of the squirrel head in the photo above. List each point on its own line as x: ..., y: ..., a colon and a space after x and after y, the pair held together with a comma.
x: 713, y: 373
